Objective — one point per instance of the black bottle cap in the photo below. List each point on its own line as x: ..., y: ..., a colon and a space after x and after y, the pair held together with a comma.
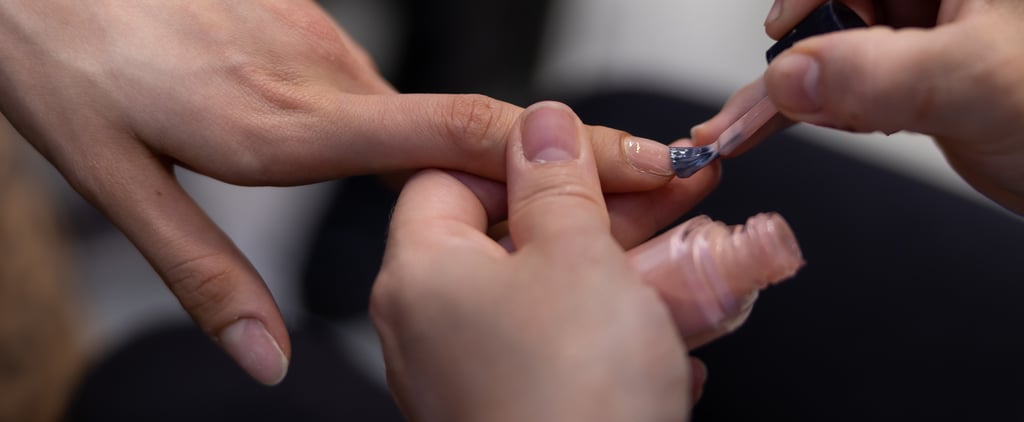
x: 830, y: 17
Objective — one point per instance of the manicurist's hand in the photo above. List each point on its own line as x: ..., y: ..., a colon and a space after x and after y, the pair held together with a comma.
x: 561, y: 329
x: 255, y: 92
x: 951, y: 69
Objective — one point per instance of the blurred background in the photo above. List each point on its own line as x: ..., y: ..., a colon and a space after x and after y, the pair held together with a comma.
x: 655, y: 67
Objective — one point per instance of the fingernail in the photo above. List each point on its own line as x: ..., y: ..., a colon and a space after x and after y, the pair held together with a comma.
x: 251, y: 345
x: 699, y: 375
x: 507, y: 243
x: 685, y: 143
x: 695, y: 131
x: 549, y: 135
x: 795, y: 77
x: 647, y: 156
x: 775, y: 13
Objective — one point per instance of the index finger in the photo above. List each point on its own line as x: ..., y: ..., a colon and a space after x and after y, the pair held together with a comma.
x: 740, y: 103
x: 371, y: 134
x: 470, y: 132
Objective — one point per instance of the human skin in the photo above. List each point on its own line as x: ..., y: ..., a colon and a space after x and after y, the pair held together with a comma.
x: 254, y: 92
x: 563, y: 328
x: 950, y: 69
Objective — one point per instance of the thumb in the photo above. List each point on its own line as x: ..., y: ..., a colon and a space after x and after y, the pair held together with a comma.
x: 211, y: 278
x: 553, y: 188
x: 880, y: 79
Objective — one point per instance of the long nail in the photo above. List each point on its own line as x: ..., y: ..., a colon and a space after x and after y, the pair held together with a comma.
x: 249, y: 343
x: 647, y: 156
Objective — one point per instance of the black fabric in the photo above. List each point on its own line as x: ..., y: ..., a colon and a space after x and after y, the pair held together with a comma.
x: 470, y: 46
x: 177, y: 374
x: 908, y: 309
x: 346, y: 251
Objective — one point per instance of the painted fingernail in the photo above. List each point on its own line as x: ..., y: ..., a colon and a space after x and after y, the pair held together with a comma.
x: 795, y: 77
x: 249, y: 343
x: 647, y: 156
x: 775, y: 13
x: 549, y: 135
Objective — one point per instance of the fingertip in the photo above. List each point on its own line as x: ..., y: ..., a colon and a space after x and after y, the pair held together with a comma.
x: 628, y: 163
x: 793, y: 84
x: 699, y: 377
x: 708, y: 177
x: 549, y: 133
x: 785, y: 14
x: 773, y: 14
x: 874, y: 79
x: 433, y: 195
x: 553, y: 185
x: 705, y: 133
x: 200, y: 265
x: 492, y: 195
x: 739, y: 104
x: 256, y: 351
x: 646, y: 156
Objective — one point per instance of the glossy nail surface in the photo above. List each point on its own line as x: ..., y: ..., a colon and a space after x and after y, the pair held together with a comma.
x: 647, y: 156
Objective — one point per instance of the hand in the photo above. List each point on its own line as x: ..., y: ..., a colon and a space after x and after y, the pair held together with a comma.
x: 562, y: 329
x: 951, y: 69
x: 255, y: 92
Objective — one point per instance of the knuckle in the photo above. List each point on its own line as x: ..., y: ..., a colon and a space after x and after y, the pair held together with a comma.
x: 393, y: 294
x: 245, y: 166
x: 607, y: 142
x: 393, y: 279
x: 561, y: 187
x: 203, y: 284
x: 475, y: 122
x: 264, y: 133
x: 414, y: 281
x: 276, y: 87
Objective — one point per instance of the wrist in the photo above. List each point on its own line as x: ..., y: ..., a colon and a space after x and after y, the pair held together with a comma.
x: 614, y: 404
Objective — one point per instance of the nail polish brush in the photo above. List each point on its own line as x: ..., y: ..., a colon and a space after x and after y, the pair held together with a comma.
x: 830, y: 17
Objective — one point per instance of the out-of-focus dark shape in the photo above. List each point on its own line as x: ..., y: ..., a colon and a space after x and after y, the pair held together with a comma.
x: 40, y: 356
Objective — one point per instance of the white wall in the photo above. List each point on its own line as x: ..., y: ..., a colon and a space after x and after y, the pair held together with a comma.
x: 703, y: 49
